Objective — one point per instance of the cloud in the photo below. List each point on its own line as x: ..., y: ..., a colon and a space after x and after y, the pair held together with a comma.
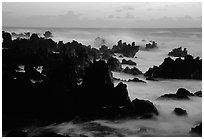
x: 68, y: 19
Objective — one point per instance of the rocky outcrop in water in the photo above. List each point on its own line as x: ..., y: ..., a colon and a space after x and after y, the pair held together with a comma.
x: 47, y: 34
x: 128, y: 50
x: 178, y: 52
x: 114, y: 64
x: 180, y: 112
x: 187, y: 68
x: 151, y: 45
x: 133, y: 71
x: 197, y: 129
x: 136, y: 80
x: 181, y: 93
x: 198, y: 93
x: 128, y: 62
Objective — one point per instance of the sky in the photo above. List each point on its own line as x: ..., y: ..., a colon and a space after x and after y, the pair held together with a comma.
x: 102, y: 14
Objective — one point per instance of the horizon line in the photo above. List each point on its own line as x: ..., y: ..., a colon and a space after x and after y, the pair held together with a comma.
x: 105, y: 27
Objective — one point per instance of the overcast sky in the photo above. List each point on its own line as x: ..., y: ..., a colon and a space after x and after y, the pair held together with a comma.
x: 91, y: 15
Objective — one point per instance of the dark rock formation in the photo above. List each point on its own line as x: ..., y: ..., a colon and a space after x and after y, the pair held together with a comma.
x: 180, y: 112
x: 180, y: 94
x: 136, y: 80
x: 141, y: 108
x: 133, y: 71
x: 198, y: 93
x: 47, y: 34
x: 128, y: 50
x: 128, y: 62
x: 189, y: 68
x: 151, y: 45
x: 105, y: 52
x: 72, y: 83
x: 7, y: 40
x: 197, y: 129
x: 114, y: 64
x: 178, y: 52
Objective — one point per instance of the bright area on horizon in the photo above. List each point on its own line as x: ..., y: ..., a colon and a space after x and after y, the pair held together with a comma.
x: 103, y: 14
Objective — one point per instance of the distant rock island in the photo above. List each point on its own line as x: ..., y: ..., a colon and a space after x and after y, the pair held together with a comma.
x: 187, y: 68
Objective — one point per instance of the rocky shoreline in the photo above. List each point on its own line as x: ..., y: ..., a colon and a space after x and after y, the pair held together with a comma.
x: 76, y: 81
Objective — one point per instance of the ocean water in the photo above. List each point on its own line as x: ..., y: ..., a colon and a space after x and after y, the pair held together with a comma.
x: 167, y: 123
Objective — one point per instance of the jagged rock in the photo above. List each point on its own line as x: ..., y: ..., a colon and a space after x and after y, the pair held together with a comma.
x: 128, y: 50
x: 7, y: 40
x: 189, y: 68
x: 180, y: 94
x: 136, y: 80
x: 128, y: 62
x: 197, y: 129
x: 133, y: 71
x: 151, y: 45
x: 180, y: 112
x: 198, y: 93
x: 121, y: 93
x: 178, y: 52
x: 141, y: 108
x: 47, y: 34
x: 114, y: 64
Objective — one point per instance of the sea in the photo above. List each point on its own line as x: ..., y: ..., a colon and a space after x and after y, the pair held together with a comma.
x: 167, y: 123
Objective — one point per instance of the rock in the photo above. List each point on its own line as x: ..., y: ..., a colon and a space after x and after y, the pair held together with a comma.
x: 183, y: 92
x: 198, y: 93
x: 180, y: 94
x: 47, y: 34
x: 114, y: 64
x: 180, y: 112
x: 17, y: 133
x: 34, y: 37
x: 133, y: 71
x: 197, y: 129
x: 121, y: 56
x: 136, y: 80
x: 178, y: 52
x: 187, y: 68
x: 141, y: 108
x: 121, y: 93
x: 7, y: 40
x: 128, y: 62
x: 128, y: 50
x: 151, y: 79
x: 151, y: 45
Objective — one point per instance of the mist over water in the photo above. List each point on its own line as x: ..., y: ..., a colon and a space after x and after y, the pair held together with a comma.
x: 167, y: 123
